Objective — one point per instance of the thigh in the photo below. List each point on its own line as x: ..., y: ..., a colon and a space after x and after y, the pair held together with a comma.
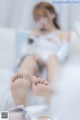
x: 41, y: 63
x: 29, y: 64
x: 52, y: 61
x: 52, y: 67
x: 27, y: 60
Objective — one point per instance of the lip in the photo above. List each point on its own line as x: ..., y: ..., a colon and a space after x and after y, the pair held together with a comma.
x: 44, y: 25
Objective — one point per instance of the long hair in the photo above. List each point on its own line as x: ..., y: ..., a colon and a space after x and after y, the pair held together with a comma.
x: 45, y: 8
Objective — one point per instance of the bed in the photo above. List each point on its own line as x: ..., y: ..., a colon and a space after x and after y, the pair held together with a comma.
x: 65, y: 104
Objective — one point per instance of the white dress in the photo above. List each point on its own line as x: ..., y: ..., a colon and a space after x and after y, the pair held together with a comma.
x: 45, y: 45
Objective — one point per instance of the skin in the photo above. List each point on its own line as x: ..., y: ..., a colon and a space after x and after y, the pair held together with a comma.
x: 24, y: 79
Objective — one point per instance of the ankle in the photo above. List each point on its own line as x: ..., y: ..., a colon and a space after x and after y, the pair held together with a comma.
x: 22, y: 102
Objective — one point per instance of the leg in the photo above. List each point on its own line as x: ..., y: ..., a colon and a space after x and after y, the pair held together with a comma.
x: 52, y: 67
x: 42, y: 87
x: 21, y: 81
x: 29, y: 66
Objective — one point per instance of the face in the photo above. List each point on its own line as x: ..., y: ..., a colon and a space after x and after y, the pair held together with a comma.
x: 44, y: 22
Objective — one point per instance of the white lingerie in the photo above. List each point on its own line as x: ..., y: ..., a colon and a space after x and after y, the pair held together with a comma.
x: 45, y: 45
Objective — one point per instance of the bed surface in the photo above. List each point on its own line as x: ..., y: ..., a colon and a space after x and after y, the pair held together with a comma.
x: 65, y: 104
x: 69, y: 91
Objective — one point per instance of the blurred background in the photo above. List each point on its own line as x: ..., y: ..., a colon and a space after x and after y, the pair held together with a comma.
x: 15, y: 20
x: 18, y: 13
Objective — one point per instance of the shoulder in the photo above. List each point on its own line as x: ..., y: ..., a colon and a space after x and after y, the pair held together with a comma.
x: 65, y: 35
x: 34, y: 32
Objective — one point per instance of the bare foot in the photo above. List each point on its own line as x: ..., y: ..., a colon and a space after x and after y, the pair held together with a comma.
x: 42, y: 88
x: 19, y: 88
x: 20, y: 75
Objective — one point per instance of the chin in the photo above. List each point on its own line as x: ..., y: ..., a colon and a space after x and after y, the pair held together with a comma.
x: 46, y: 27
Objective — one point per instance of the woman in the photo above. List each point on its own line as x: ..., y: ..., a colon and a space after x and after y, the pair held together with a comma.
x: 52, y: 51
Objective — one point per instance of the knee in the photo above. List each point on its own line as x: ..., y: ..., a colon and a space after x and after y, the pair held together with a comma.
x: 28, y: 58
x: 52, y: 57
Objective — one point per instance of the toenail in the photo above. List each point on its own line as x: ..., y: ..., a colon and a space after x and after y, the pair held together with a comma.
x: 46, y: 84
x: 36, y: 83
x: 34, y: 77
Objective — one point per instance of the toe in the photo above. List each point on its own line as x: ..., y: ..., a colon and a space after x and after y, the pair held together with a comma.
x: 46, y: 82
x: 16, y: 76
x: 34, y: 81
x: 21, y: 75
x: 12, y: 79
x: 41, y: 81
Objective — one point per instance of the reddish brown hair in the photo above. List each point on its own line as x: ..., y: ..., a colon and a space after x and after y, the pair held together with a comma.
x: 44, y: 7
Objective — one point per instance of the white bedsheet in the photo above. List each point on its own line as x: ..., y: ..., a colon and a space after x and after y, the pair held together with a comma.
x: 67, y: 102
x: 5, y: 78
x: 5, y: 75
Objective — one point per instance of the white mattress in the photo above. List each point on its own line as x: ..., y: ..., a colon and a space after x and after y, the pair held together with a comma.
x: 65, y: 104
x: 5, y: 75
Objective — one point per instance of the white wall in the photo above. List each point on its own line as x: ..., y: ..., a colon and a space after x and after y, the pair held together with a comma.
x: 17, y: 13
x: 7, y: 48
x: 68, y: 13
